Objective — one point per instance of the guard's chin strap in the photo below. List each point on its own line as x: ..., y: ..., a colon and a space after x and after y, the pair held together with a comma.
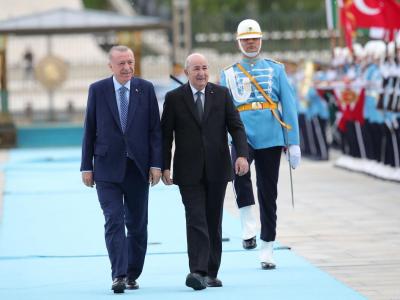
x: 250, y: 54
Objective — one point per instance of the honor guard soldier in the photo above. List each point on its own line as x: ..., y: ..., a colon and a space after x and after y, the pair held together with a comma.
x: 263, y: 96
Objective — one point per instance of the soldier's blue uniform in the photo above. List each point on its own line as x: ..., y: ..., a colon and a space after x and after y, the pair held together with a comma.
x: 263, y: 130
x: 265, y: 134
x: 374, y: 120
x: 391, y: 154
x: 317, y: 116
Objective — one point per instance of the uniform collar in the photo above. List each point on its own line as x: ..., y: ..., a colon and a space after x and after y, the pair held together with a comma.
x: 251, y: 60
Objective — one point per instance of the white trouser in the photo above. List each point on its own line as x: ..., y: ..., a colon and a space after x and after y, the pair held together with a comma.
x: 249, y: 222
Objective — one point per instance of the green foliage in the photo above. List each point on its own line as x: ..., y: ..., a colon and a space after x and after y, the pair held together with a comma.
x: 255, y: 6
x: 223, y: 16
x: 206, y: 22
x: 96, y: 4
x: 217, y: 16
x: 209, y: 16
x: 246, y: 7
x: 292, y: 5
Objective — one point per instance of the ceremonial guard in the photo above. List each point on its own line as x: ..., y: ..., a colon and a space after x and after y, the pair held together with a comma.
x: 390, y: 72
x: 263, y: 96
x: 317, y: 115
x: 374, y: 118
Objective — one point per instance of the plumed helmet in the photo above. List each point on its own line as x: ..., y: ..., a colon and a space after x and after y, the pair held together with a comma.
x: 391, y: 48
x: 376, y: 49
x: 358, y: 50
x: 337, y: 51
x: 346, y: 52
x: 248, y: 29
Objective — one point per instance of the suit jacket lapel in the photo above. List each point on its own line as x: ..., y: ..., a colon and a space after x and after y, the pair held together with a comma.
x: 189, y: 100
x: 111, y: 99
x: 135, y: 95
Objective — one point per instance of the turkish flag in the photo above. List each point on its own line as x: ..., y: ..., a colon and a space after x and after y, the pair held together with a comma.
x: 368, y: 13
x: 376, y: 13
x: 348, y: 25
x: 371, y: 13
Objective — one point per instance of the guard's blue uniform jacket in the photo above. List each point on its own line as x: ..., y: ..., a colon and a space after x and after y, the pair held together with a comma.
x: 300, y: 105
x: 262, y: 129
x: 317, y: 106
x: 372, y: 75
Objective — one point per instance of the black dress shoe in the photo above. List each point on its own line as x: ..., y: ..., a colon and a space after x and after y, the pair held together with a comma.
x: 267, y: 266
x: 131, y: 284
x: 195, y: 281
x: 213, y: 282
x: 250, y: 243
x: 118, y: 285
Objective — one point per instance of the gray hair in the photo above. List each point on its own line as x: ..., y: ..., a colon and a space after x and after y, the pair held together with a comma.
x: 119, y: 48
x: 191, y: 56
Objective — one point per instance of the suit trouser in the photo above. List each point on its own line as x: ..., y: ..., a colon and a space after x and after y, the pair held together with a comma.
x: 125, y: 205
x: 267, y: 162
x: 203, y: 209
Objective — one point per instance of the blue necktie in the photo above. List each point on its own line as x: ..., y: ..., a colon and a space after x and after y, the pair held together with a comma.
x: 123, y: 107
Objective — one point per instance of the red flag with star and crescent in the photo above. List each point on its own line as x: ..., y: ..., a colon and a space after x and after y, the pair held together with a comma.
x: 368, y: 13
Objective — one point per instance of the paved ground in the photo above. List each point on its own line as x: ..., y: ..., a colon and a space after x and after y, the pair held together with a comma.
x: 345, y: 223
x: 67, y: 260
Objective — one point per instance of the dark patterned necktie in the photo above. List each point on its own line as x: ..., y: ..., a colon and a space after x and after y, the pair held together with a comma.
x: 123, y: 107
x: 199, y: 105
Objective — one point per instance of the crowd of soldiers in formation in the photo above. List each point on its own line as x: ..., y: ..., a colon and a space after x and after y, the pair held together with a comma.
x: 353, y: 104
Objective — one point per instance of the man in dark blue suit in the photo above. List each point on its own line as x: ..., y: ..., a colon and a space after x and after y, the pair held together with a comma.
x: 121, y: 153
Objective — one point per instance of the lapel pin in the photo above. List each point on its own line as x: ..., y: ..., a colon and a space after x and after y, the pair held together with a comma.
x: 137, y: 91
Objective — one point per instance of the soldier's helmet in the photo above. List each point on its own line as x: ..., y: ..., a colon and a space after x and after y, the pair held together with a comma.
x: 248, y: 29
x: 358, y: 50
x: 375, y: 49
x: 391, y: 49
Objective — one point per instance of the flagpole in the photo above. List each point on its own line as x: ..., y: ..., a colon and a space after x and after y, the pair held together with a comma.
x: 330, y: 22
x: 339, y: 5
x: 329, y: 14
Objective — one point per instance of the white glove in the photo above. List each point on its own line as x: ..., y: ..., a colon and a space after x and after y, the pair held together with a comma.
x: 295, y: 156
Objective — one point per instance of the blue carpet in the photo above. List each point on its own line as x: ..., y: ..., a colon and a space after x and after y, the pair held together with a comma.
x: 52, y: 245
x: 49, y: 135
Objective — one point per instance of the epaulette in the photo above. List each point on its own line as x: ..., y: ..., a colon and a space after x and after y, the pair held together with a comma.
x: 227, y: 67
x: 274, y: 61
